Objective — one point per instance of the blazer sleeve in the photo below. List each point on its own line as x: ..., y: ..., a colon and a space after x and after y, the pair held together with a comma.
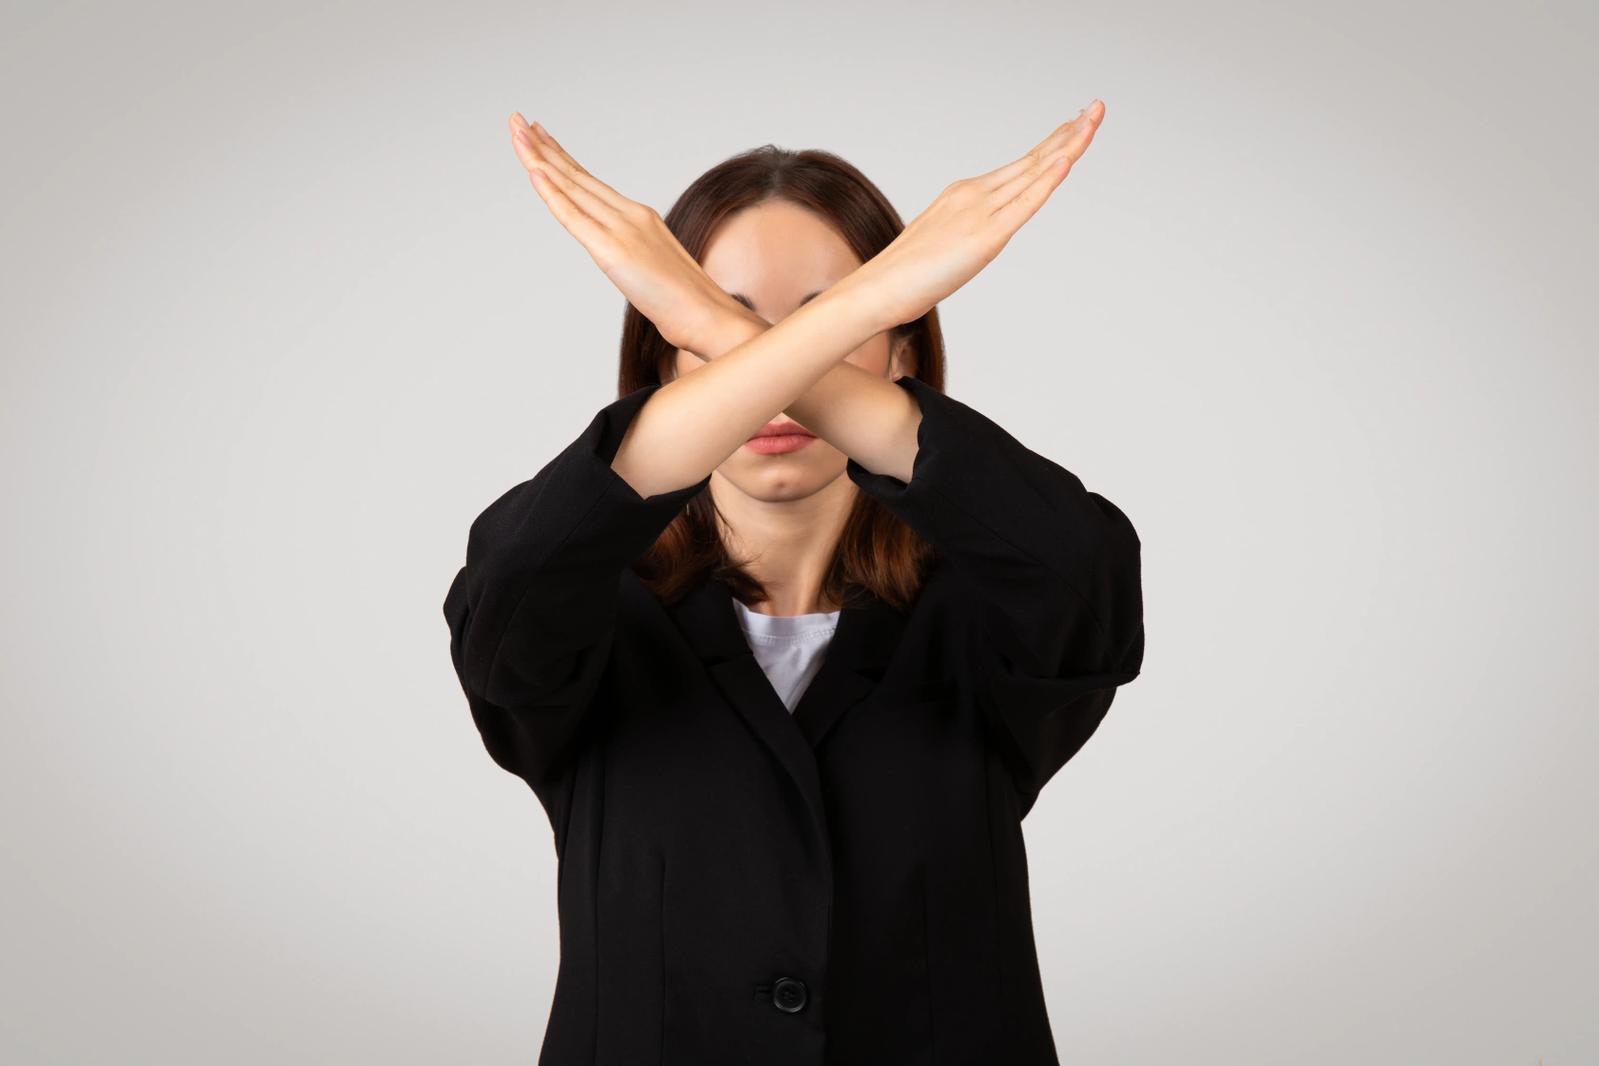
x: 532, y: 613
x: 1054, y: 569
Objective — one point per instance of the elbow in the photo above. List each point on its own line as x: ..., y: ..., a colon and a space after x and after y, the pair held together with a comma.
x: 1116, y: 592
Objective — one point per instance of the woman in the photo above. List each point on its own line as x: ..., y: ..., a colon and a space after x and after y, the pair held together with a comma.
x: 786, y: 723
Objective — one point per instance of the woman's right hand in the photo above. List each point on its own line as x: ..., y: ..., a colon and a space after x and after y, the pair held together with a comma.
x: 965, y: 228
x: 628, y: 241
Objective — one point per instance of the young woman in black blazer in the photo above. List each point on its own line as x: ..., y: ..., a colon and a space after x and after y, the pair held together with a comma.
x: 844, y: 883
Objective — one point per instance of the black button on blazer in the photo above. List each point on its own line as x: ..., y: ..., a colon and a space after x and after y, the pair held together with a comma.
x: 845, y: 884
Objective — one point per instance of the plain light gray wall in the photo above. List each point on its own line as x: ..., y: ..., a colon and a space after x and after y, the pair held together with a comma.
x: 283, y: 314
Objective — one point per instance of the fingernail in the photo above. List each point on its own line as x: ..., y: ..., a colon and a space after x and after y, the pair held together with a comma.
x: 522, y: 135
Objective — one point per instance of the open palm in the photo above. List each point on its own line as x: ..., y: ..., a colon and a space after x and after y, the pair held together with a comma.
x: 970, y: 221
x: 942, y: 248
x: 627, y: 240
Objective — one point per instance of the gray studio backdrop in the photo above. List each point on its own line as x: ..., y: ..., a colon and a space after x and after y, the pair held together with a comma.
x: 283, y: 314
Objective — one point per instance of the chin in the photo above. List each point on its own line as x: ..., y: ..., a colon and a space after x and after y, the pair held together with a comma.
x: 774, y: 479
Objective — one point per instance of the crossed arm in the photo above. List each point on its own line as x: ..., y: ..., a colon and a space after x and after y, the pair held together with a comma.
x: 1054, y: 568
x: 754, y: 371
x: 695, y: 422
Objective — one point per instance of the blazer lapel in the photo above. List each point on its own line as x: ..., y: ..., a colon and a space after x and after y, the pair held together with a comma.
x: 851, y: 667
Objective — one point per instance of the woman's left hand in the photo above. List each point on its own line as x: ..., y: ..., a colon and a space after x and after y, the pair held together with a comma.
x: 627, y: 240
x: 968, y: 224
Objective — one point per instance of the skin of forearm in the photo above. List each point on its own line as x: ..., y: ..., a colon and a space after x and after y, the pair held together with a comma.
x: 864, y: 416
x: 690, y: 425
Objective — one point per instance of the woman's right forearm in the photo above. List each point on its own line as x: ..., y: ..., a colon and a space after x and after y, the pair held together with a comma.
x: 693, y: 423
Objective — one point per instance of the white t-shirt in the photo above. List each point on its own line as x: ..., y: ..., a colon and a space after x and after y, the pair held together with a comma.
x: 788, y: 647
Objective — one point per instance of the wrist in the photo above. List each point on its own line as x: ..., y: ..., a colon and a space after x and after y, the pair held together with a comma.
x: 857, y: 298
x: 725, y: 329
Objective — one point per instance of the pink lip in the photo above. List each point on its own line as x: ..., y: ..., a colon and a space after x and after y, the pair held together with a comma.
x: 775, y: 438
x: 778, y: 429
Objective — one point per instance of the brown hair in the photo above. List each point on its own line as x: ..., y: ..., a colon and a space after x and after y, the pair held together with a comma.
x: 876, y: 550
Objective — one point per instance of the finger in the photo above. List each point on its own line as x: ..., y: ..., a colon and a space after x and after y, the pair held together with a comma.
x: 589, y: 233
x: 556, y: 156
x: 1026, y: 194
x: 528, y: 152
x: 1034, y: 155
x: 1024, y: 204
x: 1039, y: 155
x: 1042, y: 151
x: 576, y: 171
x: 1072, y: 148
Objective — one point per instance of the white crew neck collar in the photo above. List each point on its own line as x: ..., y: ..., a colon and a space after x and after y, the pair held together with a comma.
x: 784, y: 625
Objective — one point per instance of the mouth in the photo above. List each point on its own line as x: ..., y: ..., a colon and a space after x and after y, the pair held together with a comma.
x: 782, y: 429
x: 780, y: 438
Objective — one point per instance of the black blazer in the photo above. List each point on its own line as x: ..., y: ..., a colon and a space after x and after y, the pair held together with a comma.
x: 843, y: 885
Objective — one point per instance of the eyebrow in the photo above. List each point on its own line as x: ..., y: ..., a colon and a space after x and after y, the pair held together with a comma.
x: 747, y: 302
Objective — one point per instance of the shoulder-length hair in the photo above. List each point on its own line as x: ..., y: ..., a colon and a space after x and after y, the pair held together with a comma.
x: 876, y: 550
